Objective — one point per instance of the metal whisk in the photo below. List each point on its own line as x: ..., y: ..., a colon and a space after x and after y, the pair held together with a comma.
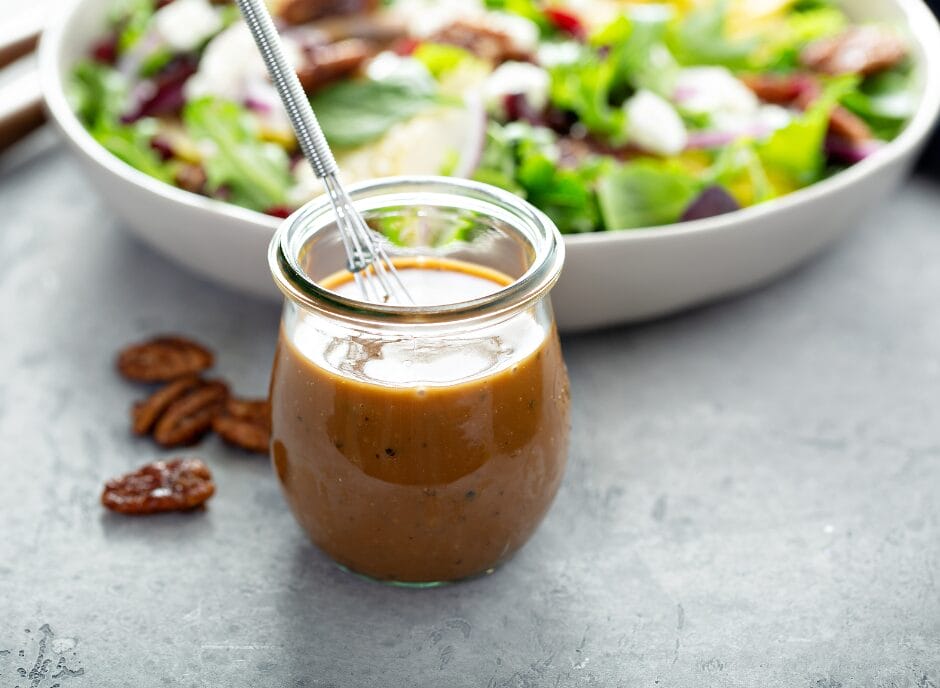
x: 366, y: 259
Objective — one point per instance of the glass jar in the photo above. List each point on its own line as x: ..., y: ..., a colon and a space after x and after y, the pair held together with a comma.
x: 421, y: 444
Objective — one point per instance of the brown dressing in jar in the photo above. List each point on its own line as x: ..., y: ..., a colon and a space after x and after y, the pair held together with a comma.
x: 407, y: 462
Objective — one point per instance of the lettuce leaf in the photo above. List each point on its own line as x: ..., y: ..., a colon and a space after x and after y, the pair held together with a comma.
x: 524, y: 159
x: 797, y: 149
x: 699, y: 38
x: 780, y: 47
x: 255, y: 172
x: 646, y: 193
x: 738, y: 168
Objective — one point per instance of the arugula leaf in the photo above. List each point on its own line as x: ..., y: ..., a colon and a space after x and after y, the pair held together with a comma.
x: 256, y: 172
x: 131, y: 143
x: 637, y: 48
x: 133, y: 18
x: 352, y: 113
x: 524, y: 159
x: 623, y: 56
x: 498, y: 163
x: 566, y: 195
x: 97, y: 93
x: 586, y: 87
x: 699, y: 38
x: 884, y: 101
x: 645, y: 193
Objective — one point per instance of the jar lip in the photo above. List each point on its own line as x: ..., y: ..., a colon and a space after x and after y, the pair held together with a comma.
x: 539, y: 277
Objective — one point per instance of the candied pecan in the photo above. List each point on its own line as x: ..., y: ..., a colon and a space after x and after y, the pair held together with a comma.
x: 177, y: 485
x: 245, y: 423
x: 779, y: 89
x: 324, y: 64
x: 859, y: 50
x: 190, y: 417
x: 162, y: 359
x: 146, y: 413
x: 191, y: 177
x: 848, y: 125
x: 483, y: 41
x: 800, y: 90
x: 301, y: 11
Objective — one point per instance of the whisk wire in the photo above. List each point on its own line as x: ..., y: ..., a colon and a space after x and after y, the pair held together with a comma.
x: 365, y: 257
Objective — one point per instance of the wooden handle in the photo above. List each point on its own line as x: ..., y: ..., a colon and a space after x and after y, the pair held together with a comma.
x: 20, y: 108
x: 20, y: 101
x: 17, y: 38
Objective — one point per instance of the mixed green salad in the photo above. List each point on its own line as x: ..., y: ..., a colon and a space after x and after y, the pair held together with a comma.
x: 605, y: 114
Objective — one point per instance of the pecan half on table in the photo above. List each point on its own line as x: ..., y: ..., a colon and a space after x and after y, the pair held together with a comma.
x: 245, y: 423
x: 181, y: 412
x: 177, y: 485
x: 146, y: 413
x: 163, y: 358
x: 189, y: 417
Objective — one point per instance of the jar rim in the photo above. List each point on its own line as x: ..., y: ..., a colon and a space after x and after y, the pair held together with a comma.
x: 537, y: 228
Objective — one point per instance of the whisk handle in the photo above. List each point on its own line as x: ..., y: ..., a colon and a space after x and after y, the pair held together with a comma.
x: 310, y: 137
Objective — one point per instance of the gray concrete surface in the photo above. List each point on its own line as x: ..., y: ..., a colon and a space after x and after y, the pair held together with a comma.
x: 753, y: 495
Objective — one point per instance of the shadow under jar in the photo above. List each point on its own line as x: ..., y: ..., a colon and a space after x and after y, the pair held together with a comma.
x: 421, y: 444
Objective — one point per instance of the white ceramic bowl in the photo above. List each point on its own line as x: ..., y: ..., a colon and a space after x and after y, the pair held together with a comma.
x: 609, y: 277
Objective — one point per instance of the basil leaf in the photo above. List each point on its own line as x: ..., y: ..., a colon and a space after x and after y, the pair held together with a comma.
x: 353, y: 113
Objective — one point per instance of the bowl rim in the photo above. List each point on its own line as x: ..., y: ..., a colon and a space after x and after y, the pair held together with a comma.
x: 922, y: 26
